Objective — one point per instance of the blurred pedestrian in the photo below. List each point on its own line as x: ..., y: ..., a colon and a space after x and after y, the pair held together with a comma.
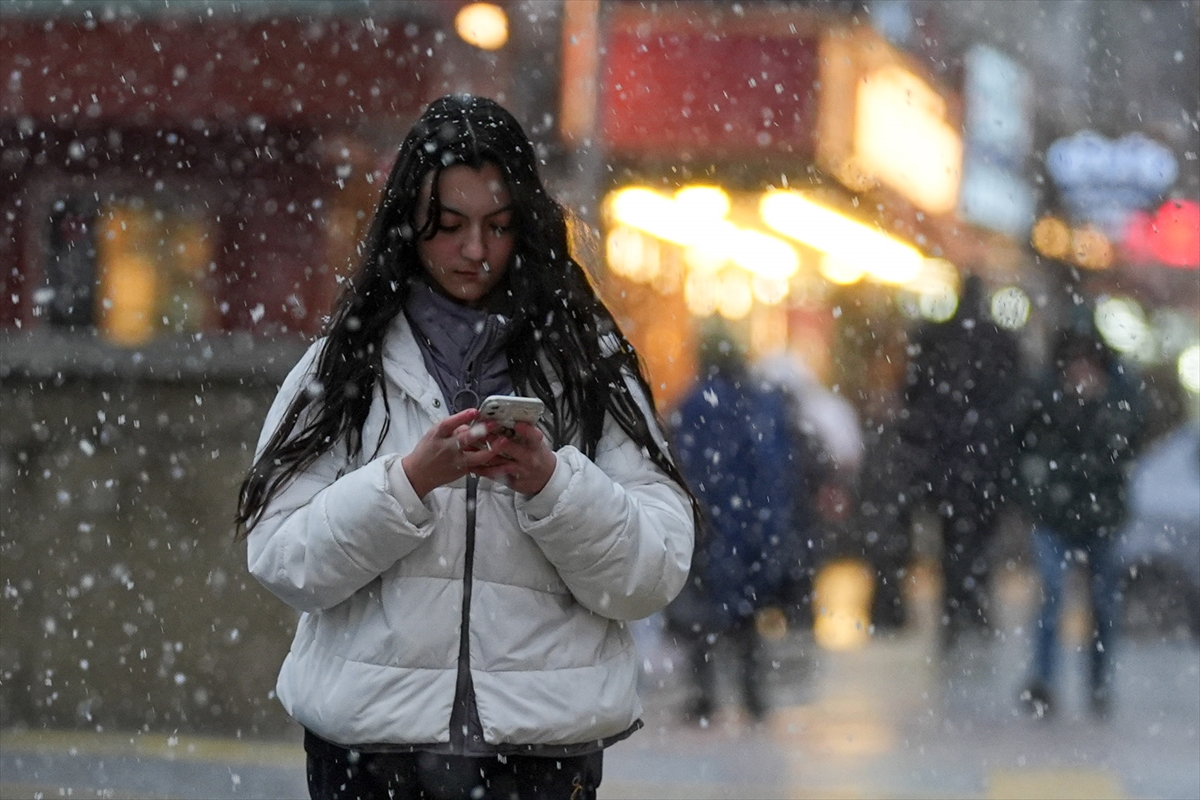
x: 1076, y: 445
x: 465, y: 586
x: 956, y: 445
x: 731, y: 436
x: 825, y: 453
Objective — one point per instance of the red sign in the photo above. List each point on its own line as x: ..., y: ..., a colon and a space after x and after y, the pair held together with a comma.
x: 179, y: 69
x: 709, y: 84
x: 1170, y: 236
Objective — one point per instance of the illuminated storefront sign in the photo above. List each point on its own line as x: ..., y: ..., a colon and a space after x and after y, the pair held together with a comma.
x: 880, y: 123
x: 732, y: 252
x: 901, y: 138
x: 1170, y: 236
x: 1103, y: 181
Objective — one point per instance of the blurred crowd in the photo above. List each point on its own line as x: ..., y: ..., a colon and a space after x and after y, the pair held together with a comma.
x: 978, y: 438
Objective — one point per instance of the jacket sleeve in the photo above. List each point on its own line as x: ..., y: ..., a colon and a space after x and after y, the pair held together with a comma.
x: 331, y: 530
x: 620, y: 533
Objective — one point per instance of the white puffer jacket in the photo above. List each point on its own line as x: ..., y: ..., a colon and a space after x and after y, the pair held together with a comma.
x: 379, y: 576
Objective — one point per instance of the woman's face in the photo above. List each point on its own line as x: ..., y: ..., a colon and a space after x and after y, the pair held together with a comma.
x: 473, y: 240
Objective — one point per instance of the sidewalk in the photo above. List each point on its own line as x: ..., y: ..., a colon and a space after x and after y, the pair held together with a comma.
x: 889, y: 720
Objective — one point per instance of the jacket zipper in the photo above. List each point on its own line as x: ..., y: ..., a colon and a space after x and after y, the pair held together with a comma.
x: 463, y: 696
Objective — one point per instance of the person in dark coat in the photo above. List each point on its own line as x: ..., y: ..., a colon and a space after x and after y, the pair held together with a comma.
x: 1076, y: 446
x: 955, y: 445
x: 731, y: 438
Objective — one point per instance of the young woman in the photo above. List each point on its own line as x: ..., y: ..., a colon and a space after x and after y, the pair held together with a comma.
x: 465, y: 587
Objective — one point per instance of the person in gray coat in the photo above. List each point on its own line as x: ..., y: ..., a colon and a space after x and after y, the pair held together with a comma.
x: 465, y: 585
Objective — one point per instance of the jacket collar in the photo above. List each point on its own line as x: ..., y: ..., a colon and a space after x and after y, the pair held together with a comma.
x: 404, y: 366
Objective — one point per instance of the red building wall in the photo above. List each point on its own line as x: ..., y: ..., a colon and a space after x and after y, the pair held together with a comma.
x: 243, y: 113
x: 709, y: 82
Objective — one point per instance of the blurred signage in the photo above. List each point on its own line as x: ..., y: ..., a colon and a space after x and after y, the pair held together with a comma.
x: 1170, y: 236
x: 713, y: 82
x: 182, y: 69
x: 880, y: 123
x: 1104, y: 181
x: 998, y: 127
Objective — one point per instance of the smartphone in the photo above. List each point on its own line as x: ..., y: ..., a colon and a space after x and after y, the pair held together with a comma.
x: 509, y: 409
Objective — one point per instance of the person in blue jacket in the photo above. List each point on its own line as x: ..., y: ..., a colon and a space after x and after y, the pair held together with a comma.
x: 731, y: 437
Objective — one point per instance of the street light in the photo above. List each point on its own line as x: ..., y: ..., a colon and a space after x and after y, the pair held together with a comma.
x: 483, y: 25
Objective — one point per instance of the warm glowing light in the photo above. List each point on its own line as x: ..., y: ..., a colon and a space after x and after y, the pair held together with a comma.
x: 736, y: 299
x: 764, y: 255
x: 1010, y: 308
x: 129, y: 292
x: 1188, y: 367
x: 632, y: 254
x: 1091, y: 249
x: 712, y: 247
x: 902, y: 138
x: 770, y: 291
x: 937, y: 276
x: 483, y: 25
x: 841, y: 601
x: 655, y: 214
x: 703, y: 202
x: 841, y: 272
x: 857, y: 246
x: 1122, y: 323
x: 701, y: 293
x: 938, y: 306
x: 1052, y: 237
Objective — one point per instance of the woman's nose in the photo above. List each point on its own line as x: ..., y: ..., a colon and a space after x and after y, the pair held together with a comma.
x: 473, y: 244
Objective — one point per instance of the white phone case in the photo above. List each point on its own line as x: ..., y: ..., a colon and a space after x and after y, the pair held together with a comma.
x: 508, y: 410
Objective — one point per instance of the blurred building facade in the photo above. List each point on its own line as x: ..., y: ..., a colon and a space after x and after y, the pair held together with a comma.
x: 181, y: 188
x: 183, y: 185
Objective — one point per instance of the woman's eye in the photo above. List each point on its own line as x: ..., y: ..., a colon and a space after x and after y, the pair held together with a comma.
x: 448, y: 227
x: 500, y: 230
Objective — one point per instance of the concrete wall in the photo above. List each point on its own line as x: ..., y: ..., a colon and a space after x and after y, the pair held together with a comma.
x: 124, y: 601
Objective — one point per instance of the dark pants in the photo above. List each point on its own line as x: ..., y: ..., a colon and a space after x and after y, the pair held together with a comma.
x: 968, y: 523
x: 336, y: 773
x: 748, y: 652
x: 1055, y: 557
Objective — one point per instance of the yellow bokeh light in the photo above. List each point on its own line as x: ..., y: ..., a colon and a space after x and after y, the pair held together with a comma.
x: 1091, y: 249
x: 483, y: 25
x: 632, y: 254
x: 843, y: 273
x: 705, y: 202
x: 1010, y: 308
x: 764, y: 255
x: 769, y: 291
x: 735, y: 299
x: 938, y: 305
x: 858, y: 246
x: 902, y: 138
x: 701, y: 293
x: 1051, y: 237
x: 655, y: 213
x: 1123, y: 325
x: 1188, y: 367
x: 842, y: 594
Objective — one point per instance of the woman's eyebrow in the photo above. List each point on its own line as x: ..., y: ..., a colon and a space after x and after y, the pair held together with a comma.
x: 451, y: 209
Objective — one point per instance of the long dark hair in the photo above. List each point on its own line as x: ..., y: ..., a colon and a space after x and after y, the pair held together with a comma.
x: 561, y: 329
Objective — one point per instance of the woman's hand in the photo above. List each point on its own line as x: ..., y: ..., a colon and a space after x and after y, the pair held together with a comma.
x: 448, y: 451
x: 523, y: 458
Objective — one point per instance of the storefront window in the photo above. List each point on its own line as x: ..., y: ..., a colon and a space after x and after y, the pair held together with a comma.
x: 132, y: 268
